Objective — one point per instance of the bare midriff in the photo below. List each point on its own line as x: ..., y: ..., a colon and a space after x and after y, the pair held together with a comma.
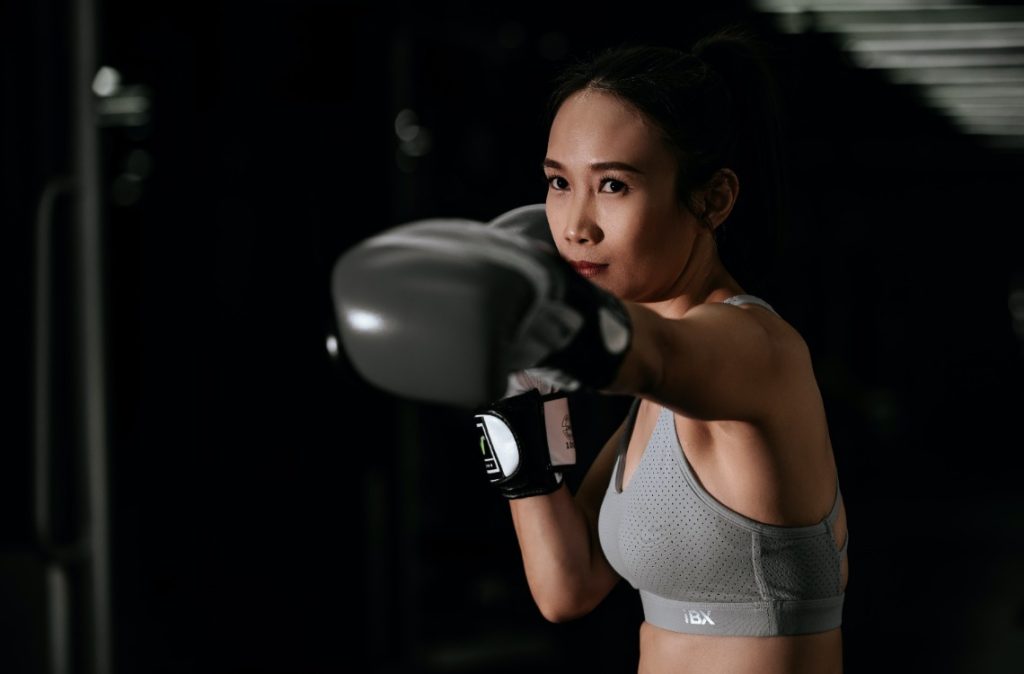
x: 666, y: 652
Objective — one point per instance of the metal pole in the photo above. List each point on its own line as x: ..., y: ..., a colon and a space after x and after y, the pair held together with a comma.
x: 90, y: 355
x: 58, y: 609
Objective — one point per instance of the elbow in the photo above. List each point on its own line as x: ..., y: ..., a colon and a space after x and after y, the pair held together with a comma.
x: 564, y: 607
x: 558, y: 613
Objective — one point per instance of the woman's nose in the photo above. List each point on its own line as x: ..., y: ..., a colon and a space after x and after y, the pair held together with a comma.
x: 580, y: 227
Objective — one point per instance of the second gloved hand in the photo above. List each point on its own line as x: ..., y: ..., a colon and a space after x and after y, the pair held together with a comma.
x: 526, y: 439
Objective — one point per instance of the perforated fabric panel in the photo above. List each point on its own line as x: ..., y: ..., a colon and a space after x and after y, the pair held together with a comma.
x: 662, y: 537
x: 672, y: 545
x: 803, y: 568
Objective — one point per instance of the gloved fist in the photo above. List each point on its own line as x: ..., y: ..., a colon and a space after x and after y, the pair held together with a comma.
x: 531, y: 221
x: 526, y: 441
x: 444, y: 310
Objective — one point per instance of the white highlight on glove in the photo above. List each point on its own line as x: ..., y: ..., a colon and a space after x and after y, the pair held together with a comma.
x: 503, y: 444
x: 545, y: 380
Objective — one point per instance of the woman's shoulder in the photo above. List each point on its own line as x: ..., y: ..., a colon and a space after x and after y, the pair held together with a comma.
x: 742, y: 310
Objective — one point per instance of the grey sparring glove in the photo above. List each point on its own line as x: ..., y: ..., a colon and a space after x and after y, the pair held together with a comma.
x: 531, y: 221
x: 445, y: 310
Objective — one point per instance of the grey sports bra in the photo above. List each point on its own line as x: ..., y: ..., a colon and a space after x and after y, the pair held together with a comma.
x: 703, y: 568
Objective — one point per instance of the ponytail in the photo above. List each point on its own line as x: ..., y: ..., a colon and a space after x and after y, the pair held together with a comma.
x: 753, y: 234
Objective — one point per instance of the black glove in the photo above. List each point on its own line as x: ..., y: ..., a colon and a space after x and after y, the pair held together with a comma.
x: 526, y: 441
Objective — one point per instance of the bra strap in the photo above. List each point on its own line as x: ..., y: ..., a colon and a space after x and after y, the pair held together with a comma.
x: 834, y: 515
x: 624, y: 443
x: 749, y: 299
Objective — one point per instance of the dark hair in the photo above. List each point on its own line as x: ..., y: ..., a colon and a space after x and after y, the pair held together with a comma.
x: 716, y: 106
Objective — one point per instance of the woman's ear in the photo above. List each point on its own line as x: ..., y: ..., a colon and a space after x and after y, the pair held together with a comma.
x: 719, y: 196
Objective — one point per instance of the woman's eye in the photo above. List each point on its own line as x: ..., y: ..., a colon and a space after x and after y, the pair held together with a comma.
x: 553, y: 181
x: 618, y: 185
x: 560, y: 184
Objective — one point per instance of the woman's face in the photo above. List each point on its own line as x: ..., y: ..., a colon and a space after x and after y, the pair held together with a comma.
x: 611, y: 198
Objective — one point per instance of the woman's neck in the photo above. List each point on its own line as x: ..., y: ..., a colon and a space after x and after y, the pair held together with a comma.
x: 703, y: 279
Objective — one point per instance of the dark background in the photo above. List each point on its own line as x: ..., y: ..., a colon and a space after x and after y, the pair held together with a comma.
x: 273, y: 513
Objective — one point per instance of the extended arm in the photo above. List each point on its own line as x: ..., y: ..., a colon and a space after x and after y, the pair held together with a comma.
x: 717, y: 362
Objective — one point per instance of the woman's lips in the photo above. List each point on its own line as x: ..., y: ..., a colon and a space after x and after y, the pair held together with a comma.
x: 588, y: 269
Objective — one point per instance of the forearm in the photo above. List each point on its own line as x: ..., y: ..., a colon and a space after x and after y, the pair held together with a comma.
x: 560, y: 554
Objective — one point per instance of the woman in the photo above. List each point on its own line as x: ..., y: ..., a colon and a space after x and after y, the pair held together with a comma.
x: 718, y: 496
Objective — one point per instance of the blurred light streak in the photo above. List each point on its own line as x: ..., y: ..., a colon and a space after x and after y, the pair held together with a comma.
x: 939, y: 76
x: 904, y: 60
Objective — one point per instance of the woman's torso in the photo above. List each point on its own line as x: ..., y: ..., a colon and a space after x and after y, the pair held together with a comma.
x: 780, y: 475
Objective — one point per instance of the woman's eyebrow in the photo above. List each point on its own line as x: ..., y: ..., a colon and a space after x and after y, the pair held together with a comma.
x: 598, y: 166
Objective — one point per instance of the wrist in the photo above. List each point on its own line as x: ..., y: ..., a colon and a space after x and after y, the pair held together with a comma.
x: 640, y: 371
x: 513, y: 495
x: 595, y: 353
